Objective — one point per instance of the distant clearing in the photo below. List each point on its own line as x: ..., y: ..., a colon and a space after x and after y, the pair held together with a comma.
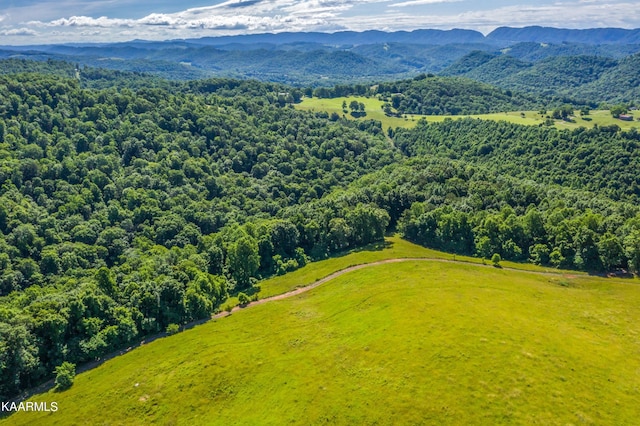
x: 374, y: 111
x: 401, y: 343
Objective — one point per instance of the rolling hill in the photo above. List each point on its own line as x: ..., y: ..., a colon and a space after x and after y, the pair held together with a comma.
x: 409, y: 342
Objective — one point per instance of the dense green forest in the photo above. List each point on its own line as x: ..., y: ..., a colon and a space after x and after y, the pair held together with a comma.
x: 452, y: 96
x: 129, y: 204
x: 125, y: 211
x: 604, y: 160
x: 467, y: 208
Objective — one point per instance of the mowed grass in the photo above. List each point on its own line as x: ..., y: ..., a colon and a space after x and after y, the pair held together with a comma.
x: 418, y: 342
x: 373, y: 107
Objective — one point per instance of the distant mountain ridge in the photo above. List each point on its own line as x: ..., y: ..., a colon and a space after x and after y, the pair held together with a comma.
x: 560, y: 35
x: 315, y: 59
x: 500, y: 36
x: 427, y: 36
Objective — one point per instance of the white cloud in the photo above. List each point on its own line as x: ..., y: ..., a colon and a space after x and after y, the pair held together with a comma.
x: 253, y: 16
x: 422, y: 2
x: 19, y: 32
x: 87, y: 21
x: 567, y: 15
x: 90, y: 33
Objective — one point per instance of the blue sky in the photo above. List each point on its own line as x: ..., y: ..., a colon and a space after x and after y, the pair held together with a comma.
x: 54, y: 21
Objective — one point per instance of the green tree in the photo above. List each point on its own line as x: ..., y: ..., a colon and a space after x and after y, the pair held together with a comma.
x: 632, y: 250
x: 539, y: 254
x: 618, y: 110
x: 243, y: 298
x: 611, y: 252
x: 172, y: 329
x: 244, y: 260
x: 18, y: 358
x: 285, y: 237
x: 338, y: 235
x: 106, y: 282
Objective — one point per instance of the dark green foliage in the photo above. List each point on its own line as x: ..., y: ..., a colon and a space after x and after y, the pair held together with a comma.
x: 123, y: 211
x: 469, y: 209
x: 602, y: 160
x: 436, y: 96
x: 243, y: 298
x: 618, y: 110
x: 452, y: 96
x: 173, y: 329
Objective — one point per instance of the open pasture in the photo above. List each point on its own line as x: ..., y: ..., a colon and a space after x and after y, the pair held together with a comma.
x: 423, y: 341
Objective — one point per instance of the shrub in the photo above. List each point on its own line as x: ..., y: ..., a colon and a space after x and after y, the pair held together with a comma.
x: 495, y: 259
x: 65, y: 373
x: 243, y: 298
x: 173, y: 329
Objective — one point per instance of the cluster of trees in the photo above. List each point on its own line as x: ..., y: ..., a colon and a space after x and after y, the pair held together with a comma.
x: 469, y: 209
x: 451, y: 96
x: 603, y: 159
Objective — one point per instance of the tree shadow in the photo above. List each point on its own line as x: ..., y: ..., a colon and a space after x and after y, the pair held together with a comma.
x: 377, y: 246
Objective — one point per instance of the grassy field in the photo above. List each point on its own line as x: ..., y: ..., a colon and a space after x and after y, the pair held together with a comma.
x: 374, y: 111
x: 393, y: 247
x: 403, y: 343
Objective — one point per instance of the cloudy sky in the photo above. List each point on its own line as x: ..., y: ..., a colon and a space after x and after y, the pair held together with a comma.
x: 53, y: 21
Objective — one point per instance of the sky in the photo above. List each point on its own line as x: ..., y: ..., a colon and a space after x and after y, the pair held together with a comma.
x: 24, y: 22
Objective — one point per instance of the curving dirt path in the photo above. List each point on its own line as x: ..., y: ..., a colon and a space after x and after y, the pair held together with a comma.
x: 336, y: 274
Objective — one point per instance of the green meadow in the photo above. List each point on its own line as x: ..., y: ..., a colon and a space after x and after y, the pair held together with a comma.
x: 373, y: 108
x: 417, y: 342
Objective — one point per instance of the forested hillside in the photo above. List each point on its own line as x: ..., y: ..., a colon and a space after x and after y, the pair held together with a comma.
x: 451, y: 96
x: 585, y: 77
x: 603, y: 160
x: 123, y: 211
x: 468, y: 208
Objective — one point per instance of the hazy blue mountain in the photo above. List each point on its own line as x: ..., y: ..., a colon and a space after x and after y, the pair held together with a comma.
x: 343, y: 38
x: 560, y: 35
x: 534, y: 51
x: 324, y: 59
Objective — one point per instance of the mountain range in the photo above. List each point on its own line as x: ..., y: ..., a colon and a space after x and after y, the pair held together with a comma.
x: 513, y: 58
